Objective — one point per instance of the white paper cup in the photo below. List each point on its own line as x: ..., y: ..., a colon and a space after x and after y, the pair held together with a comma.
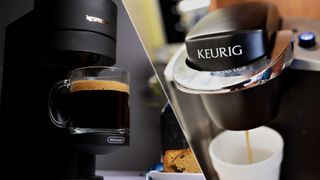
x: 228, y: 152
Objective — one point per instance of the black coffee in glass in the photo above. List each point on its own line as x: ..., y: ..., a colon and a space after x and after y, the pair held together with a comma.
x: 99, y: 104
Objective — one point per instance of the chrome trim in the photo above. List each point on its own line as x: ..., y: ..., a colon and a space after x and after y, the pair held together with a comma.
x: 213, y: 82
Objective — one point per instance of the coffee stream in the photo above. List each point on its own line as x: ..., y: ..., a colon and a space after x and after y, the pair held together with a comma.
x: 249, y: 150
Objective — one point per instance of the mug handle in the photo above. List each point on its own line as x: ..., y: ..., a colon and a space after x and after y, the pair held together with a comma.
x: 57, y: 106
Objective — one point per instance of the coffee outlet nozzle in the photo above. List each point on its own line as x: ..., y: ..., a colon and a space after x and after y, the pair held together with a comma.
x: 233, y: 58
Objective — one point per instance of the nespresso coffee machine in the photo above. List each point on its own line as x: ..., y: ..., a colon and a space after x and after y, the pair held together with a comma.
x: 41, y: 47
x: 238, y: 70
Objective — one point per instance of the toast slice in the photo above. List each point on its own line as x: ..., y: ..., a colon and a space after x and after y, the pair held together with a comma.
x: 168, y: 157
x: 186, y: 162
x: 182, y: 160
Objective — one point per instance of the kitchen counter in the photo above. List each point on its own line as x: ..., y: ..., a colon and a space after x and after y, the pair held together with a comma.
x: 121, y: 175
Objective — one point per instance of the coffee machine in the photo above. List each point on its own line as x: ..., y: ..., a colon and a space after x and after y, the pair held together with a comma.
x: 41, y: 47
x: 244, y: 66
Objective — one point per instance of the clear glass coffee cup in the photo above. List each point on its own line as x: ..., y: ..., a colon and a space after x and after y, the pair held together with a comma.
x: 90, y: 100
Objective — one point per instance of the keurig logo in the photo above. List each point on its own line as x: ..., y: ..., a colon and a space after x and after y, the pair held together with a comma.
x: 95, y: 19
x: 213, y: 53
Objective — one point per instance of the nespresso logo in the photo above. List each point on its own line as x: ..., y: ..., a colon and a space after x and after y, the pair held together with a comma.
x: 95, y: 19
x: 212, y: 53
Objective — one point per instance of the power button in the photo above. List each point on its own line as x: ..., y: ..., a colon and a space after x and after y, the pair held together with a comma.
x: 307, y: 39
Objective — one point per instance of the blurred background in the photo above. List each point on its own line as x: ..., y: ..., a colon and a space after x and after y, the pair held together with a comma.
x: 163, y: 24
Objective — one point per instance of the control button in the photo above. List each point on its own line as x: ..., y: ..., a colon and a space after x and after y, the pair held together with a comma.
x: 307, y: 40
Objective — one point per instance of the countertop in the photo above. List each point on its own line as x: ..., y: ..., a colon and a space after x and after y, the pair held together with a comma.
x: 121, y: 175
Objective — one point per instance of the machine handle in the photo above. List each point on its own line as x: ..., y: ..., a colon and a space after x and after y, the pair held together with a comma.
x: 58, y: 104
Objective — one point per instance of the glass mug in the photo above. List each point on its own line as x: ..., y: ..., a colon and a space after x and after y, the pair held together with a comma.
x: 90, y: 100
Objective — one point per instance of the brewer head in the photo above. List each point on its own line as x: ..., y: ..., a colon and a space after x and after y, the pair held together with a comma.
x: 232, y: 37
x: 79, y: 29
x: 232, y: 60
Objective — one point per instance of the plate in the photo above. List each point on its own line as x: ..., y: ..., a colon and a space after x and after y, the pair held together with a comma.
x: 156, y: 175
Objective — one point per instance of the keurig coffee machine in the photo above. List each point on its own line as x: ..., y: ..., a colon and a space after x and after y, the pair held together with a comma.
x: 52, y: 129
x: 238, y: 70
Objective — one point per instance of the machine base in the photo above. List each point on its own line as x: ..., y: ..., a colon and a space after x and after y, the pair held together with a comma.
x: 83, y: 178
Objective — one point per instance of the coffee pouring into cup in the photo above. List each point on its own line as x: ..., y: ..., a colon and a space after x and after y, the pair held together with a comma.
x: 261, y: 86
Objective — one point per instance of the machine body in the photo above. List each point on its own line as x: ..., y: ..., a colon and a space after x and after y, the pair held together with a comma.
x: 41, y: 48
x: 278, y: 89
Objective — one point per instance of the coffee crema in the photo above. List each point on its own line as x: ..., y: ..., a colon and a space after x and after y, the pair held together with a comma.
x: 83, y: 85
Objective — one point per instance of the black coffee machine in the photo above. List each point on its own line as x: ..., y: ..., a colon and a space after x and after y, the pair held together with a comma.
x: 238, y: 70
x: 40, y: 49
